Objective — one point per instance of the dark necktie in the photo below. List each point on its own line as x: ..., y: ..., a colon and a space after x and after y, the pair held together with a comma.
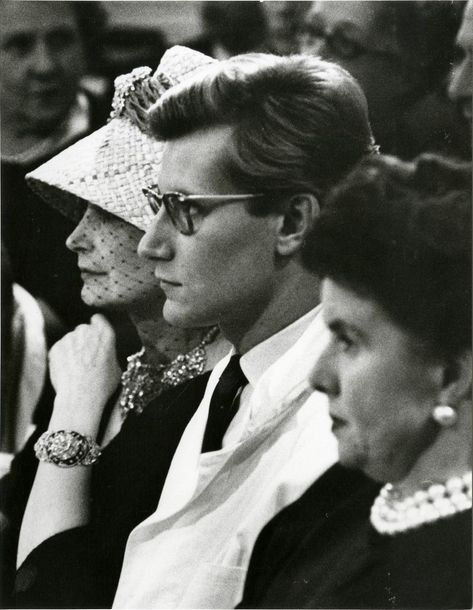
x: 223, y: 404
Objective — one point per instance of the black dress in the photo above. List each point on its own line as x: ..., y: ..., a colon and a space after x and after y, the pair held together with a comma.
x: 80, y: 568
x: 321, y: 552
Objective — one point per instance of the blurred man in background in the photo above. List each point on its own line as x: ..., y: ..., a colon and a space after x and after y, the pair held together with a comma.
x: 401, y: 54
x: 230, y: 28
x: 46, y: 49
x: 285, y: 21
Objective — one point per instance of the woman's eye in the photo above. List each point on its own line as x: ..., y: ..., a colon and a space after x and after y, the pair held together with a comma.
x: 344, y: 341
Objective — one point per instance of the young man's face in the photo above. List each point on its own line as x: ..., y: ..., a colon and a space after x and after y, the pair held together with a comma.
x: 225, y: 272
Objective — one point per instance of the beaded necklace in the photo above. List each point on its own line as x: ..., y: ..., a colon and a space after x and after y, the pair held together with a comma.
x: 392, y: 514
x: 141, y: 382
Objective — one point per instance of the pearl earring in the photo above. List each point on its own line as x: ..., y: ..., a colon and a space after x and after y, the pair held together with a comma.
x: 444, y: 415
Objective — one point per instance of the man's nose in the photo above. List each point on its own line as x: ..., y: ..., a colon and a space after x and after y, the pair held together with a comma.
x: 78, y: 240
x: 156, y: 242
x: 313, y: 45
x: 44, y: 59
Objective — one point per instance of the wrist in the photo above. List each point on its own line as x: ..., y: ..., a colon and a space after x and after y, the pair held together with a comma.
x: 83, y: 417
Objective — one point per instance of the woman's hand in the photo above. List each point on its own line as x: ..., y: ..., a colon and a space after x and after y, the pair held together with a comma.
x: 84, y: 372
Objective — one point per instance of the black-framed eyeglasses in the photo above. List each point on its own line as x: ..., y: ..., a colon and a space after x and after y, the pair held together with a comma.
x: 339, y: 44
x: 179, y: 207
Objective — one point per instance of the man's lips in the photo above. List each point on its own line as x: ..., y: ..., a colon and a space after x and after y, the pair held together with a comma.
x: 165, y: 283
x: 45, y: 89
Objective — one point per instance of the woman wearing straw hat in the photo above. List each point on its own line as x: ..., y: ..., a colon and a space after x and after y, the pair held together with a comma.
x: 101, y: 178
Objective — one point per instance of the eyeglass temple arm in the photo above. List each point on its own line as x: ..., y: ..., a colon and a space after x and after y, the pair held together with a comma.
x: 228, y: 197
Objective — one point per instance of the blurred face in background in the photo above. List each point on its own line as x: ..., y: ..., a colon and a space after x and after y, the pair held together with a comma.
x: 285, y: 20
x: 461, y: 86
x: 42, y: 60
x: 358, y: 37
x: 113, y: 276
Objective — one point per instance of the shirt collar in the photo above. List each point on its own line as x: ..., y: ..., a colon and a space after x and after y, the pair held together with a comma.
x: 256, y: 362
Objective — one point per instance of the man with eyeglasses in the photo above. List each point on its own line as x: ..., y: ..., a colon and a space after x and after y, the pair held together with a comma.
x: 401, y: 53
x: 252, y: 146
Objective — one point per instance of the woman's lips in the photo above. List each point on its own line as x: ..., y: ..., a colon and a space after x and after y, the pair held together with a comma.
x: 337, y: 422
x: 84, y: 271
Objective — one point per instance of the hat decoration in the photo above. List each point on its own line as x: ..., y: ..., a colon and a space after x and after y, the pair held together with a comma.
x: 109, y: 167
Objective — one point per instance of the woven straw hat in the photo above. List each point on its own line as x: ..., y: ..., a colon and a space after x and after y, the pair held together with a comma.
x: 109, y: 167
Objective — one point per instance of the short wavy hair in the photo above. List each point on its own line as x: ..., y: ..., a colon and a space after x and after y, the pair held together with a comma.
x: 299, y: 123
x: 400, y: 234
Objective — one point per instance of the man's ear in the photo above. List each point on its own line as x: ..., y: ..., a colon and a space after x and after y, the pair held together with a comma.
x: 456, y: 386
x: 299, y: 216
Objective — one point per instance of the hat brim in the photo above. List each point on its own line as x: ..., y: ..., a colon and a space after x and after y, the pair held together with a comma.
x: 108, y: 169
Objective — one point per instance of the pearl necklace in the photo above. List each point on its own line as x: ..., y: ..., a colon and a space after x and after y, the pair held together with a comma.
x: 392, y: 514
x: 141, y: 382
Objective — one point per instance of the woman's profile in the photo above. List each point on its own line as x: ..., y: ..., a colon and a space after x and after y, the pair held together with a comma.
x: 98, y: 183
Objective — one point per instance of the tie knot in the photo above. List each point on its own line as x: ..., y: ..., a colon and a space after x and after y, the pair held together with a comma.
x: 232, y: 376
x: 223, y: 404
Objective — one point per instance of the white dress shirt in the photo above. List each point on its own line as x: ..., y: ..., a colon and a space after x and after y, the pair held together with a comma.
x: 29, y: 355
x: 193, y: 552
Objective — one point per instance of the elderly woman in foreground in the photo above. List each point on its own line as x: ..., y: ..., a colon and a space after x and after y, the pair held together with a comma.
x: 394, y: 250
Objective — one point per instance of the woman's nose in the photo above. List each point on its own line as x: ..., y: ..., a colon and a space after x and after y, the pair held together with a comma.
x: 155, y: 243
x: 323, y: 377
x: 79, y: 240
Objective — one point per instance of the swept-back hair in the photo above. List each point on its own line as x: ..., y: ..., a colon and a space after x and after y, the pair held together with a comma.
x: 299, y: 123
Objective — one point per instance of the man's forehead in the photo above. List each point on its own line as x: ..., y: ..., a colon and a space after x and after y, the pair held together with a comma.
x: 343, y: 12
x: 24, y: 17
x: 195, y: 163
x: 363, y: 19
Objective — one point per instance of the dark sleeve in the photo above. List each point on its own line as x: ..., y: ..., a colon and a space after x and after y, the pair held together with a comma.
x: 80, y: 568
x: 15, y: 489
x: 68, y: 570
x: 280, y: 573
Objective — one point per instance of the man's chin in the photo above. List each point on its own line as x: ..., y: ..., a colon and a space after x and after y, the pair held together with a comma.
x: 182, y: 317
x: 44, y: 121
